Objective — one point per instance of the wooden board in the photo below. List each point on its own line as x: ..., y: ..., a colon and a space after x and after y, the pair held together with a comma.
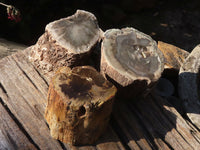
x: 148, y: 124
x: 11, y: 137
x: 8, y: 47
x: 24, y: 91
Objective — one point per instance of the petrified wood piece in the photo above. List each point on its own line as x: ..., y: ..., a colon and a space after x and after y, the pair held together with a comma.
x: 131, y: 57
x: 174, y: 56
x: 189, y: 86
x: 79, y: 105
x: 66, y: 42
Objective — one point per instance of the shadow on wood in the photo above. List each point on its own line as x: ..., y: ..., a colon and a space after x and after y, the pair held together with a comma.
x: 151, y: 123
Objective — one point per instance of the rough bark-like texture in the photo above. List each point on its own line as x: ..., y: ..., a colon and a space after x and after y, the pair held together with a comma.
x: 189, y: 86
x: 131, y: 58
x: 66, y: 42
x: 79, y: 105
x: 174, y: 56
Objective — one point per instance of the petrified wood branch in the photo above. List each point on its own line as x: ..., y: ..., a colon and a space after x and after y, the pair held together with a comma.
x: 174, y: 56
x: 131, y: 57
x: 66, y: 42
x: 189, y: 86
x: 79, y: 105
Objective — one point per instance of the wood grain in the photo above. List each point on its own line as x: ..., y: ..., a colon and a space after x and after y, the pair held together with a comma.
x: 152, y: 123
x: 11, y: 136
x: 26, y: 102
x: 24, y: 92
x: 8, y: 47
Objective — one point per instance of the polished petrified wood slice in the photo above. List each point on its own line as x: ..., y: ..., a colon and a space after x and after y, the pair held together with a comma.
x: 131, y: 57
x: 189, y: 86
x: 174, y: 56
x: 79, y: 105
x: 66, y: 42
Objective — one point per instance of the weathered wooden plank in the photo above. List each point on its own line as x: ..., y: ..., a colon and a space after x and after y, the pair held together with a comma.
x: 25, y: 94
x: 39, y: 81
x: 11, y: 137
x: 109, y: 140
x: 84, y: 147
x: 8, y: 47
x: 187, y: 131
x: 137, y: 137
x: 164, y: 128
x: 26, y: 103
x: 127, y: 122
x: 160, y: 129
x: 156, y: 139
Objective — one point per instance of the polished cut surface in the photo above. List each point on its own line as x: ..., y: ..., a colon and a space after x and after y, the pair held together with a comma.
x: 132, y: 53
x: 76, y: 32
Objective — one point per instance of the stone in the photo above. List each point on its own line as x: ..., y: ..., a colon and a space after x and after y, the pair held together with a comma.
x: 131, y: 59
x: 188, y: 86
x: 66, y: 42
x: 79, y: 105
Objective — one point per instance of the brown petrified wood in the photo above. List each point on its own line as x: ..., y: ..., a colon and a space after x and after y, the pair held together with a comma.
x: 174, y: 56
x: 189, y: 86
x: 79, y: 105
x: 66, y: 42
x: 130, y: 57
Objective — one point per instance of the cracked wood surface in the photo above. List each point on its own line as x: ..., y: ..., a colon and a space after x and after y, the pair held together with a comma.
x: 150, y: 123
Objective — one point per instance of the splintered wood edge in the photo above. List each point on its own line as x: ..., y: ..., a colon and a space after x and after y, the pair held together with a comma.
x: 91, y: 26
x: 189, y: 86
x: 128, y: 76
